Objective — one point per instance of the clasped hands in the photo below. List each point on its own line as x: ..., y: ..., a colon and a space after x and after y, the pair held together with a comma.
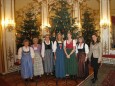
x: 68, y: 56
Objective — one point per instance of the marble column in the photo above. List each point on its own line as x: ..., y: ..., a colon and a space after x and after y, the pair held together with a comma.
x: 105, y: 25
x: 45, y: 21
x: 76, y: 13
x: 8, y: 35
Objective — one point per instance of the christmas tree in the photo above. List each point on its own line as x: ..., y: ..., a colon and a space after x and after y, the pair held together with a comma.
x: 88, y: 27
x: 29, y: 29
x: 62, y: 21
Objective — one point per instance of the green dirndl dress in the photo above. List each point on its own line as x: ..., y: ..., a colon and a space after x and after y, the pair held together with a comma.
x: 71, y: 66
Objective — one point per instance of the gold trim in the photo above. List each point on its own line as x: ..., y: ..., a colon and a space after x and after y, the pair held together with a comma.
x: 1, y: 44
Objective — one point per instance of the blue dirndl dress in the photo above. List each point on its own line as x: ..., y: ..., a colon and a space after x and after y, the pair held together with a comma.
x: 26, y: 65
x: 60, y: 65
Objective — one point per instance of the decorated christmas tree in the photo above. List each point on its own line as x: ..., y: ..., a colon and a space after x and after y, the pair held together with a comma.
x: 88, y: 27
x: 62, y: 21
x: 29, y: 29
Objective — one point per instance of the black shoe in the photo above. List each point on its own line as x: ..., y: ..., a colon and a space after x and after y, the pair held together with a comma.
x: 26, y: 80
x: 32, y: 80
x: 93, y: 80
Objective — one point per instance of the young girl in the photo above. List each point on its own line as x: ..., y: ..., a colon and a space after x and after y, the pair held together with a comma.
x: 47, y: 55
x: 26, y: 58
x: 59, y: 57
x: 38, y: 65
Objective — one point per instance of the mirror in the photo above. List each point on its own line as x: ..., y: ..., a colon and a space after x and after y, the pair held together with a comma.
x: 112, y: 10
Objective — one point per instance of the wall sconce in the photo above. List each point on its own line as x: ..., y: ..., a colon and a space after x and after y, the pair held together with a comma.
x: 9, y: 24
x: 105, y: 23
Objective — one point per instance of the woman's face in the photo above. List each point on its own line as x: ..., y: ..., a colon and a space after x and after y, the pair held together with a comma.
x: 80, y: 40
x: 94, y: 38
x: 69, y: 35
x: 26, y: 43
x: 47, y: 38
x: 35, y: 41
x: 59, y: 36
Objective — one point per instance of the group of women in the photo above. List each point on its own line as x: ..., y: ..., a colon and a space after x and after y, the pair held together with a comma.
x: 65, y: 57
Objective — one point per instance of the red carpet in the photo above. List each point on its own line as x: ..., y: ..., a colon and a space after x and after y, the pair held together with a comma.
x: 109, y: 79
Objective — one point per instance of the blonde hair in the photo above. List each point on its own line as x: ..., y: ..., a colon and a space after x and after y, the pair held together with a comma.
x: 25, y: 40
x: 47, y: 35
x: 57, y: 37
x: 35, y: 39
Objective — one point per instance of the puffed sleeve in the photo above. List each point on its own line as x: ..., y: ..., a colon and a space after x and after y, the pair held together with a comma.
x: 100, y: 52
x: 65, y: 43
x: 90, y: 52
x: 32, y: 52
x: 43, y: 50
x: 86, y: 49
x: 74, y: 43
x: 19, y: 53
x: 77, y: 48
x: 55, y: 46
x: 52, y: 46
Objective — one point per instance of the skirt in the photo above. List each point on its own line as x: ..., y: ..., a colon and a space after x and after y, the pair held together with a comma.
x: 38, y: 66
x: 48, y: 61
x: 71, y: 66
x: 81, y: 64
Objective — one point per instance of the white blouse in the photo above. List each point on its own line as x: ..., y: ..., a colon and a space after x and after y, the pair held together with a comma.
x: 81, y: 47
x: 74, y: 43
x: 55, y: 45
x: 43, y: 48
x: 26, y: 49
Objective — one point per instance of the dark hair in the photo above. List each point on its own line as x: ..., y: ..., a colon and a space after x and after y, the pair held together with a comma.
x: 98, y: 39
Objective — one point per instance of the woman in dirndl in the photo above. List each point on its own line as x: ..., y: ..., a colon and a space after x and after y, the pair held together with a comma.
x: 70, y: 59
x: 82, y: 51
x: 47, y: 55
x: 26, y: 58
x: 38, y: 65
x: 59, y: 57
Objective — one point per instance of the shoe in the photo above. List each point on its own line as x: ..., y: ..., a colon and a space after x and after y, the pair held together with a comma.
x: 51, y: 73
x: 32, y: 80
x: 47, y: 74
x: 94, y: 80
x: 26, y: 80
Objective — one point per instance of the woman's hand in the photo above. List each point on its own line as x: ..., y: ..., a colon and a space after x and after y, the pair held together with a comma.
x: 19, y: 62
x: 85, y: 59
x: 99, y: 62
x: 68, y: 56
x: 43, y: 58
x: 54, y: 57
x: 33, y: 61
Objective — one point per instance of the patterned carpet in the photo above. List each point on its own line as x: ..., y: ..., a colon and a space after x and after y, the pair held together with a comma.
x: 110, y: 79
x: 14, y: 79
x: 104, y: 74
